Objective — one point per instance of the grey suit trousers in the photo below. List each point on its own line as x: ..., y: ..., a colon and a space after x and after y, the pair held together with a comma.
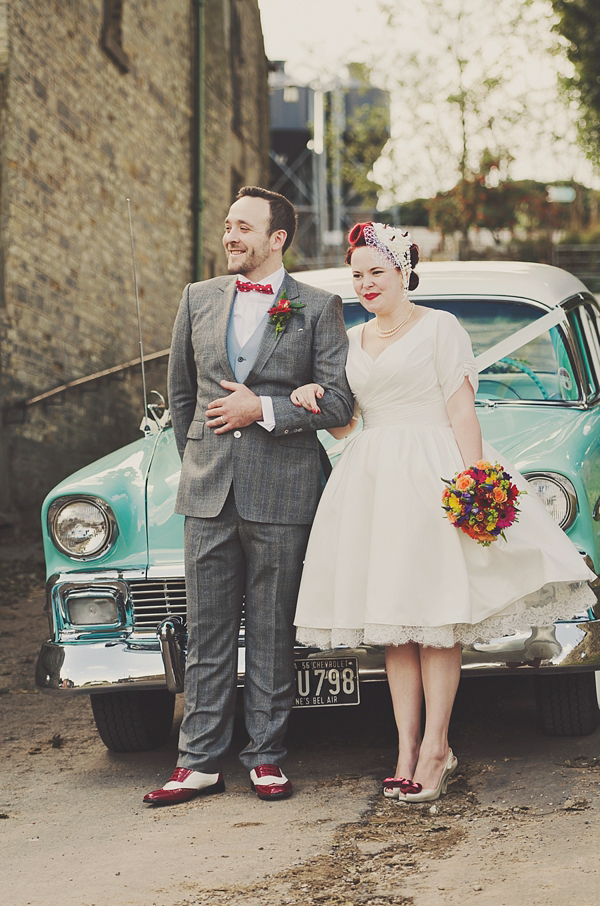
x: 226, y: 557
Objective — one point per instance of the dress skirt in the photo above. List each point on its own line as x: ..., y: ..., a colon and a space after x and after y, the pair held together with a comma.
x: 383, y: 565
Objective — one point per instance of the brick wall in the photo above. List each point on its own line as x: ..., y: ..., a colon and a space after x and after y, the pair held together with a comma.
x: 238, y: 156
x: 79, y: 137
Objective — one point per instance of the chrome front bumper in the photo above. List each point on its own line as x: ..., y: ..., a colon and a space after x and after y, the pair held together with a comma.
x: 103, y: 666
x: 96, y: 666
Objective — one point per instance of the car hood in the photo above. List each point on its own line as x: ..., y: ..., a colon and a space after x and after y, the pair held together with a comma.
x: 165, y: 528
x: 531, y: 437
x: 119, y: 479
x: 539, y: 437
x: 140, y: 481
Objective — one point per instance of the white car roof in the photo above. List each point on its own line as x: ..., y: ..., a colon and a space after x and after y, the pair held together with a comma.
x: 513, y: 279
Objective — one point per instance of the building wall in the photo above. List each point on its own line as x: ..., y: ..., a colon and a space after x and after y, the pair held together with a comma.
x: 236, y: 156
x: 80, y: 136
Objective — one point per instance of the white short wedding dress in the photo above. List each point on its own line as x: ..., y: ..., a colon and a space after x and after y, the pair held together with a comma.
x: 383, y: 565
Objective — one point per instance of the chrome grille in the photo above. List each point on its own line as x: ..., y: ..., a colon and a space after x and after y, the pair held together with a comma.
x: 154, y: 601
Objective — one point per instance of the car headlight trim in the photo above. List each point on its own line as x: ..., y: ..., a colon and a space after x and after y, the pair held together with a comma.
x: 82, y: 527
x: 557, y: 494
x: 88, y: 610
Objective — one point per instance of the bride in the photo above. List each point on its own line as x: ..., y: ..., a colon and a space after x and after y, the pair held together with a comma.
x: 383, y: 566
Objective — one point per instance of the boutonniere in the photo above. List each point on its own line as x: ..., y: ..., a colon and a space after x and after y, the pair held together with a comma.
x: 282, y: 311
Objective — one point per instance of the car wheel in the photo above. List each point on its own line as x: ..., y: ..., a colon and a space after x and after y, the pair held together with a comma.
x: 133, y: 721
x: 567, y: 705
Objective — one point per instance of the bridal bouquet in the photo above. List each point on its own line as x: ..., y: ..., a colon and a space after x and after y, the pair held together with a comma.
x: 482, y: 501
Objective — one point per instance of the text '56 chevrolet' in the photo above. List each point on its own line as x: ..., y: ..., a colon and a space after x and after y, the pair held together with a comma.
x: 116, y: 599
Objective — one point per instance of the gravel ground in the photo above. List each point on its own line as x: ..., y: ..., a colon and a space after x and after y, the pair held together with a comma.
x: 519, y: 824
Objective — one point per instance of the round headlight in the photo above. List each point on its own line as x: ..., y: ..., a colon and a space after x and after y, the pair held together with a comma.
x: 81, y: 527
x: 557, y: 494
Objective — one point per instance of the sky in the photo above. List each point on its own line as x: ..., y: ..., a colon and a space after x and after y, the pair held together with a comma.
x: 313, y: 36
x: 316, y: 38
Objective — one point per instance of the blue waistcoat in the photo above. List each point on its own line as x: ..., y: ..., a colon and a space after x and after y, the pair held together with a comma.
x: 242, y: 358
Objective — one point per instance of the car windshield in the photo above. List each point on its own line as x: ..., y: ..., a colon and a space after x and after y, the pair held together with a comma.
x: 540, y: 370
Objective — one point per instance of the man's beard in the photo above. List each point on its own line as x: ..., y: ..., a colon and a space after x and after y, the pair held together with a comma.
x: 251, y: 261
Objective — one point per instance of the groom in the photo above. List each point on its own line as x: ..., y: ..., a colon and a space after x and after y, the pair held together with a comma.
x: 249, y: 487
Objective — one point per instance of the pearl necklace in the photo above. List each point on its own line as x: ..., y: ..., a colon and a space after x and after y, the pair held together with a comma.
x: 384, y: 334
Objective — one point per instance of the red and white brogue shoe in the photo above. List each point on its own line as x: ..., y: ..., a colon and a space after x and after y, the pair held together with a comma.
x: 183, y: 785
x: 270, y: 783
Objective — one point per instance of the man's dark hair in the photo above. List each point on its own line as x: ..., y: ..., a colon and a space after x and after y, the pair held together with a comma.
x: 283, y: 212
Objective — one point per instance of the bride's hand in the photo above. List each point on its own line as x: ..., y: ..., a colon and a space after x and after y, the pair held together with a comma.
x: 307, y: 396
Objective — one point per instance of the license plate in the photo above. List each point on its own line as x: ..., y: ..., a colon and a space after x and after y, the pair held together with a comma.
x: 325, y: 682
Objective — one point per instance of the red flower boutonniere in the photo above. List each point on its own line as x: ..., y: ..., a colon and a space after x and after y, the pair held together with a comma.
x: 282, y: 311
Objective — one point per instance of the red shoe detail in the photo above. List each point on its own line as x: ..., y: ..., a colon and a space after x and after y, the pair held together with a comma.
x: 180, y: 774
x: 271, y: 791
x: 183, y: 794
x: 401, y: 783
x: 267, y: 770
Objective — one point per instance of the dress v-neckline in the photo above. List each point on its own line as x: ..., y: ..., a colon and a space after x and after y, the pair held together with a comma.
x: 391, y: 346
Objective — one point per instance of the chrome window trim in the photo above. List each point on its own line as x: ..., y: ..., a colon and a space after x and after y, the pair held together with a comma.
x: 113, y: 530
x: 579, y: 301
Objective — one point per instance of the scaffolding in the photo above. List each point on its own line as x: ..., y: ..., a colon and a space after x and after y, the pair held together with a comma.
x: 310, y: 158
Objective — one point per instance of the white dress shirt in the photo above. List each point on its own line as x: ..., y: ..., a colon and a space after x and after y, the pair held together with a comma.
x: 248, y: 310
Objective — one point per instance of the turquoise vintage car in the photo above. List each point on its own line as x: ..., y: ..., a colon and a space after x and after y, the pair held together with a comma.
x: 116, y: 593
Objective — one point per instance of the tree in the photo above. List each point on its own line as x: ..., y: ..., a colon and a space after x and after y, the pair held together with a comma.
x: 459, y: 90
x: 358, y: 127
x: 579, y: 25
x: 522, y: 207
x: 480, y: 200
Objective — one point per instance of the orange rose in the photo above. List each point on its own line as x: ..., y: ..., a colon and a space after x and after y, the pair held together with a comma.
x: 483, y: 464
x: 464, y: 482
x: 499, y: 495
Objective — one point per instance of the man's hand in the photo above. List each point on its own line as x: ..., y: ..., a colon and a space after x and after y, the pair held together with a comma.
x: 239, y: 409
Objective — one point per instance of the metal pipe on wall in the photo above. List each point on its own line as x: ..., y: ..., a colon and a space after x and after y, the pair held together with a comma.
x: 197, y: 138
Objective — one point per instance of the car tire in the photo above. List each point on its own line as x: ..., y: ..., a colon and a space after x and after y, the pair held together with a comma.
x: 133, y: 721
x: 567, y: 704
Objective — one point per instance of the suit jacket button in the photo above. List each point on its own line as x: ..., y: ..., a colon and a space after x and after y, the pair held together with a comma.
x: 237, y: 433
x: 241, y: 358
x: 286, y: 431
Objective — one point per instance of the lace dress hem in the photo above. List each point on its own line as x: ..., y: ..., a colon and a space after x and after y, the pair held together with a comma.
x: 554, y: 602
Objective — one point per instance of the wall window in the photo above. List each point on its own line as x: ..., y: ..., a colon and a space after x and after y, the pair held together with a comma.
x: 236, y: 65
x: 111, y: 38
x: 237, y: 181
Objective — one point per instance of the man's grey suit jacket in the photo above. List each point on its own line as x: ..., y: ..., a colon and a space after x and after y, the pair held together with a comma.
x: 276, y: 475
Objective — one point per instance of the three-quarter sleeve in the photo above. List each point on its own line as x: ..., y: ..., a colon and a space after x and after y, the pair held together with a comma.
x: 454, y: 359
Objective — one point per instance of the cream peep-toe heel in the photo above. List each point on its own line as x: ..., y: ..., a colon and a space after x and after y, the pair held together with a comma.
x: 430, y: 795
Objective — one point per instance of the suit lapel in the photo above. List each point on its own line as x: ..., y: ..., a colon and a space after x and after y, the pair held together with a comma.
x: 221, y: 324
x: 270, y: 337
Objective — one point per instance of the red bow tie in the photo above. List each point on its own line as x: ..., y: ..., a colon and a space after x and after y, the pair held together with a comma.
x: 245, y: 287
